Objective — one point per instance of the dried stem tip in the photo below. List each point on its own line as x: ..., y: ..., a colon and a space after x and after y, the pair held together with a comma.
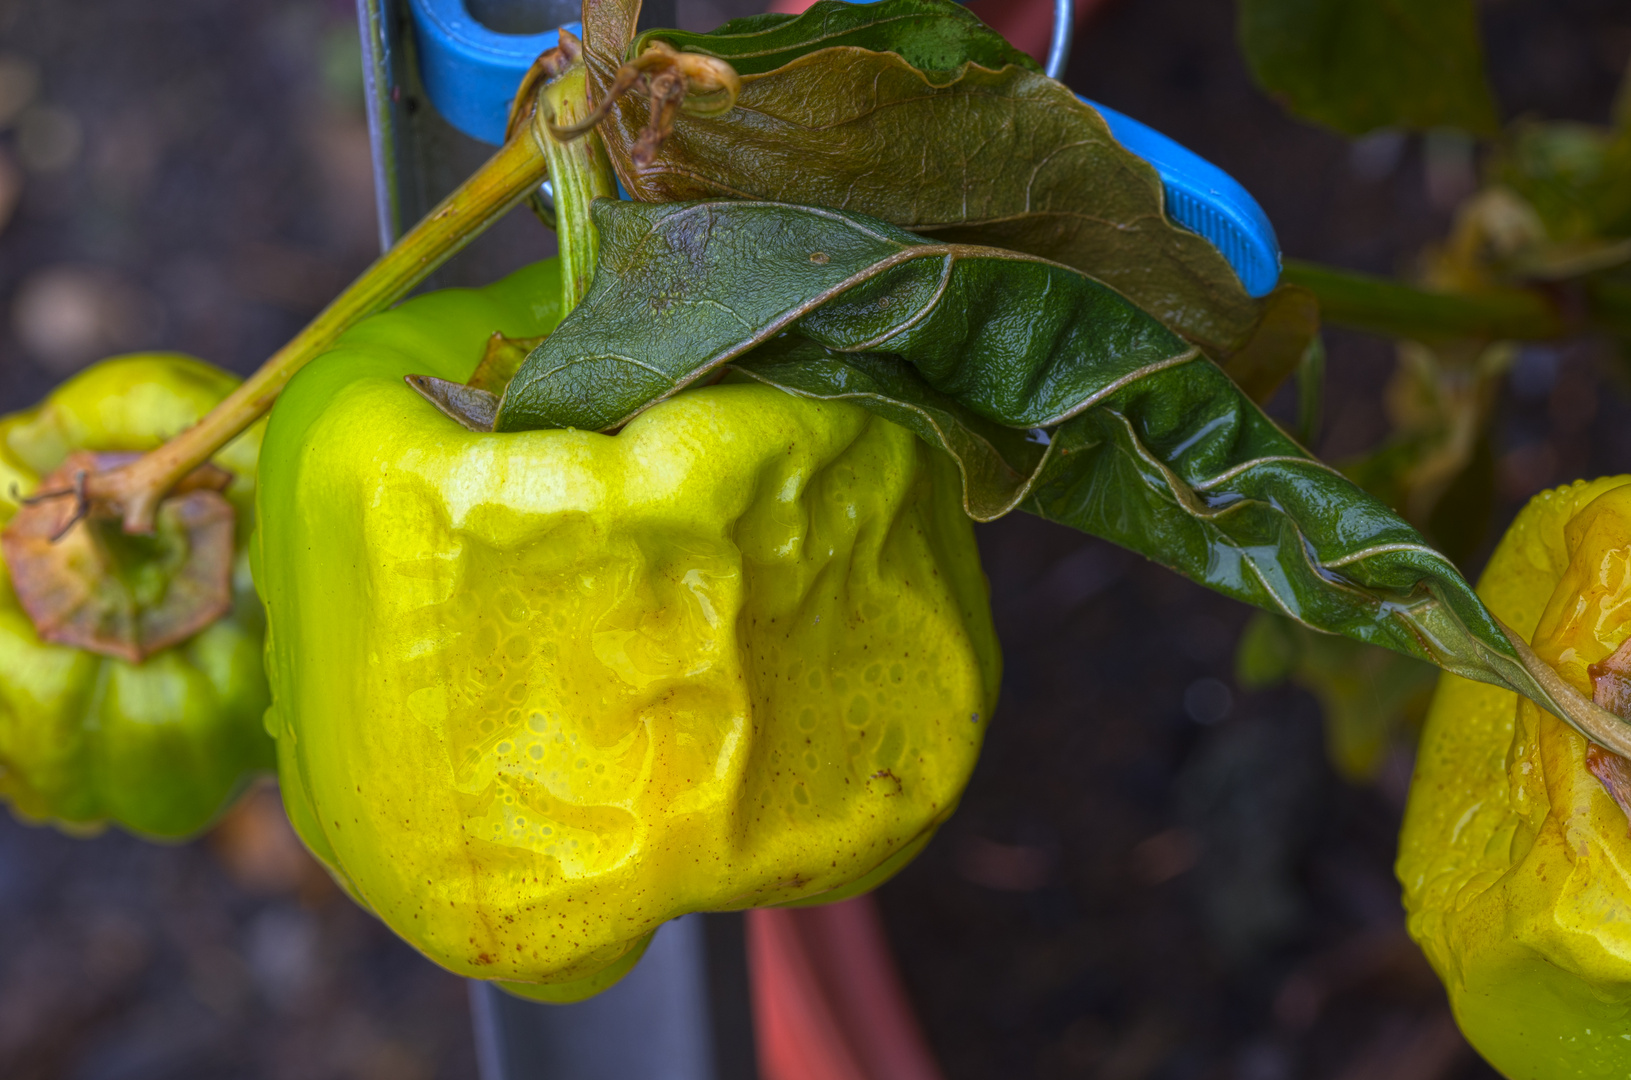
x: 674, y: 82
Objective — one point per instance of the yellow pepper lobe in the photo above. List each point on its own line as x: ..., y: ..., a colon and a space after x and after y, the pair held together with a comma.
x: 537, y: 693
x: 158, y: 747
x: 1515, y: 857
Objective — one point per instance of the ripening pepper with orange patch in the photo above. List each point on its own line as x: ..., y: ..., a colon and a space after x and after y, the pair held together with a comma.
x: 1515, y: 856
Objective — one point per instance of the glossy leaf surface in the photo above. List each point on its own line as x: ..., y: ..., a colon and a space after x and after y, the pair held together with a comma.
x: 1359, y: 65
x: 683, y: 288
x: 1149, y: 445
x: 968, y: 153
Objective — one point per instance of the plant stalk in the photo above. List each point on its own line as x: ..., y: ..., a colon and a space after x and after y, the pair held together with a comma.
x: 135, y: 490
x: 580, y: 171
x: 1393, y: 309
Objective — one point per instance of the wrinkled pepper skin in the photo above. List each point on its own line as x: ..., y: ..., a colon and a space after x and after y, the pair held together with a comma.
x: 1515, y: 861
x: 160, y: 747
x: 537, y: 693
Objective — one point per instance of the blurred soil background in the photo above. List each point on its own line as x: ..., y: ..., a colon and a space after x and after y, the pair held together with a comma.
x: 1154, y: 875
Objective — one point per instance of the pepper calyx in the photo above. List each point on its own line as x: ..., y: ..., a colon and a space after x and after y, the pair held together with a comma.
x: 85, y: 582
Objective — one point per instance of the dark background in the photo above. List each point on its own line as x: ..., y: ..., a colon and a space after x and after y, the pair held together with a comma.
x: 1135, y: 888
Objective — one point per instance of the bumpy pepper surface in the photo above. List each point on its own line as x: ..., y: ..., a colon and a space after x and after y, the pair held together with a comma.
x: 537, y: 693
x: 158, y: 747
x: 1515, y: 860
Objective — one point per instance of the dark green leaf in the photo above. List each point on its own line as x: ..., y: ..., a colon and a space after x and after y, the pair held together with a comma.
x: 1007, y: 158
x: 1181, y: 467
x: 1152, y: 446
x: 933, y: 36
x: 682, y: 288
x: 746, y: 24
x: 1359, y: 65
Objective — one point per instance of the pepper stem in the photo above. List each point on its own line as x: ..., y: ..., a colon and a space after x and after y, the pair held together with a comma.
x: 580, y: 172
x: 135, y: 490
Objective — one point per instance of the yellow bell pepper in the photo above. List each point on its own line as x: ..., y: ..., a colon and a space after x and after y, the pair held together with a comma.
x: 1515, y: 860
x: 537, y: 693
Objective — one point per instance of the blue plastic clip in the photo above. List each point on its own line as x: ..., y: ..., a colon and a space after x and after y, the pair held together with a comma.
x: 1204, y: 199
x: 471, y: 74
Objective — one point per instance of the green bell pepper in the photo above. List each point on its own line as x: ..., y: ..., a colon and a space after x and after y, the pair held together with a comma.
x: 537, y: 693
x: 161, y: 746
